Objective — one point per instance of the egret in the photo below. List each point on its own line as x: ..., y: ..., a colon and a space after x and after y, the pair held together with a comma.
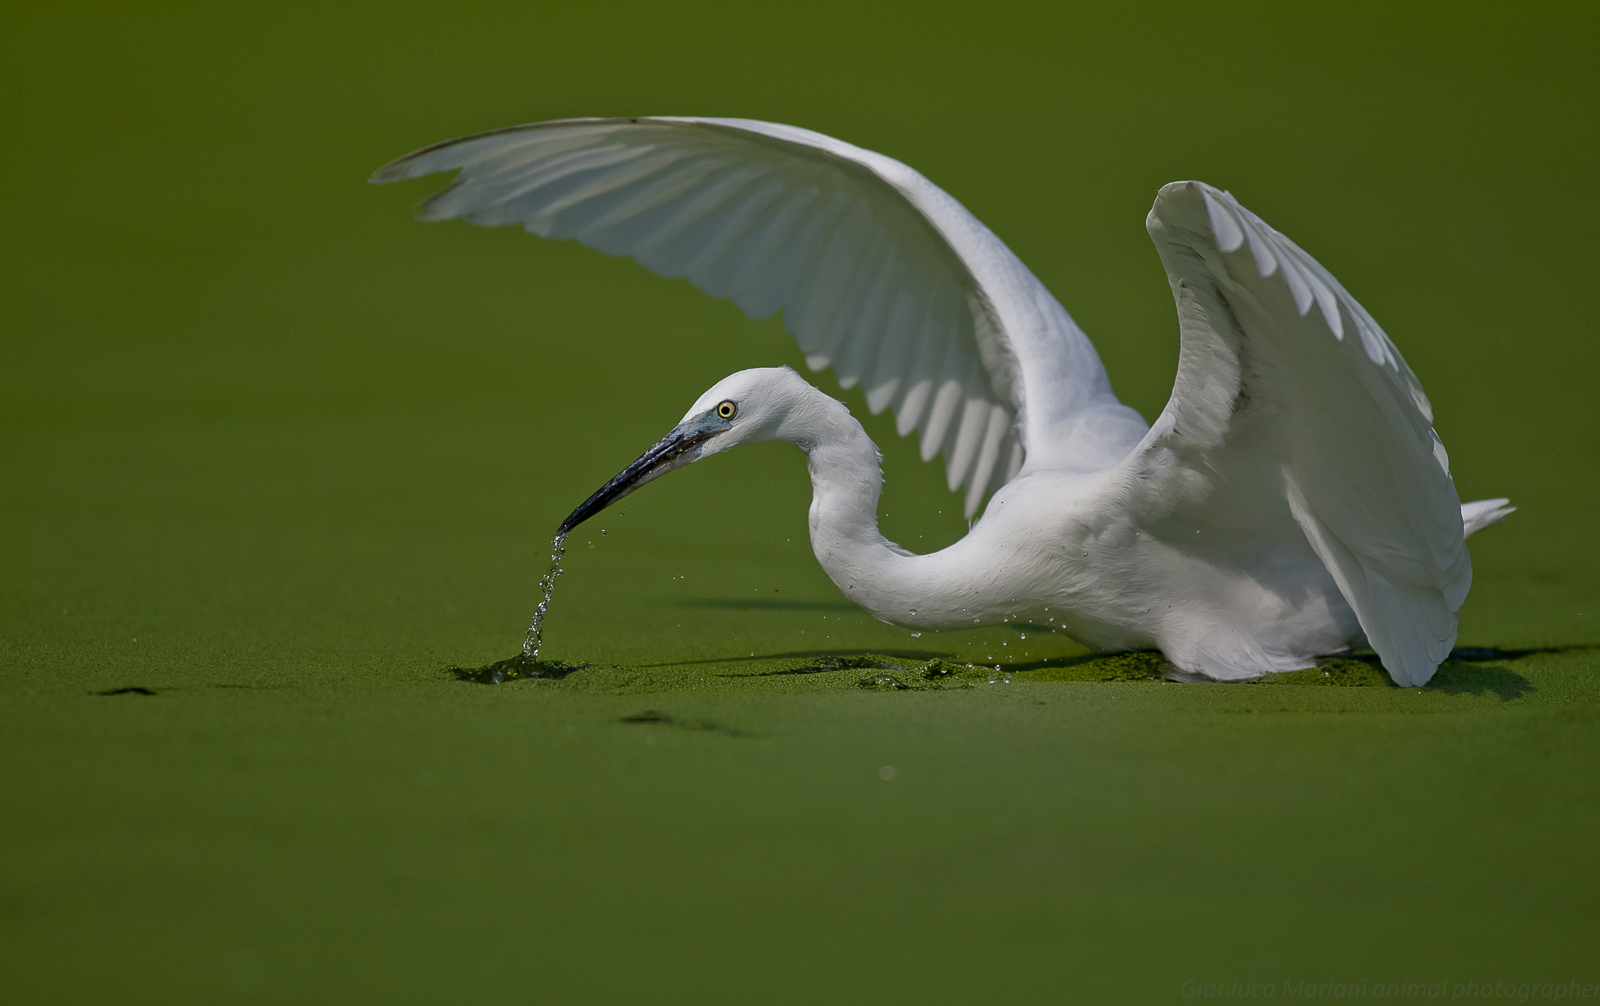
x: 1291, y: 501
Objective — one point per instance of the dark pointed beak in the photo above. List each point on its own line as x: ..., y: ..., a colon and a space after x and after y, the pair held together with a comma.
x: 676, y: 449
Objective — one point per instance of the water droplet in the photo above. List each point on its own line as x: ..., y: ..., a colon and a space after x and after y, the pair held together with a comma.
x: 916, y: 635
x: 547, y: 586
x: 1024, y: 635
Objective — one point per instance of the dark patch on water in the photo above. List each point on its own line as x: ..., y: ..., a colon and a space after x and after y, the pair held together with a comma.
x: 1478, y: 654
x: 934, y: 670
x: 518, y: 668
x: 765, y: 604
x: 904, y: 656
x: 130, y: 690
x: 1461, y: 674
x: 825, y: 664
x: 648, y: 716
x: 1138, y: 665
x: 656, y: 716
x: 1461, y: 677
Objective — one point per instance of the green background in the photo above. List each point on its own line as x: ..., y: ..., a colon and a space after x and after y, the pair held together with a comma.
x: 281, y: 455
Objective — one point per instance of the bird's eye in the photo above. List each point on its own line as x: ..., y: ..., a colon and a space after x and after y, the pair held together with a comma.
x: 727, y: 409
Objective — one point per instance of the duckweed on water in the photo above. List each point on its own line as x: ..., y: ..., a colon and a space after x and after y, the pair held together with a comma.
x: 884, y: 683
x: 1484, y: 675
x: 1347, y: 672
x: 1139, y: 666
x: 517, y: 668
x: 870, y: 662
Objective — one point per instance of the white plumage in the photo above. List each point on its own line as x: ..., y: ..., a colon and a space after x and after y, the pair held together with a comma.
x: 1292, y: 500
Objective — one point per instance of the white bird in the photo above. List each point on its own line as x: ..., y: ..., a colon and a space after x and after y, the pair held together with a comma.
x: 1291, y: 501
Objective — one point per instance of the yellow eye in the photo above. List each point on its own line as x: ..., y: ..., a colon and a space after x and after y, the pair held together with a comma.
x: 727, y: 409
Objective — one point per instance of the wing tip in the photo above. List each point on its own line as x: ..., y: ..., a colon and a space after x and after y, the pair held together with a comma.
x: 1479, y: 514
x: 395, y: 171
x: 402, y: 168
x: 1194, y: 195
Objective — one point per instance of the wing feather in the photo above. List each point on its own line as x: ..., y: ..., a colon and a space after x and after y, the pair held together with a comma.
x: 816, y: 303
x: 702, y: 249
x: 852, y: 296
x: 536, y: 195
x: 1270, y: 395
x: 879, y: 274
x: 1014, y: 452
x: 794, y: 261
x: 866, y: 327
x: 968, y: 436
x: 626, y: 221
x: 561, y: 205
x: 671, y: 249
x: 929, y: 348
x: 752, y: 261
x: 615, y: 196
x: 994, y: 432
x: 946, y: 401
x: 898, y: 344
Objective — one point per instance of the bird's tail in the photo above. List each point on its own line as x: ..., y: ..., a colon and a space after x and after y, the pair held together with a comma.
x: 1477, y: 515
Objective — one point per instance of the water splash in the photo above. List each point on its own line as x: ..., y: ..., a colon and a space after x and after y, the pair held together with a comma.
x: 517, y: 668
x: 547, y: 586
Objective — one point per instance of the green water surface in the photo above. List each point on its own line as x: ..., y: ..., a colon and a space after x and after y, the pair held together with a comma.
x: 274, y: 458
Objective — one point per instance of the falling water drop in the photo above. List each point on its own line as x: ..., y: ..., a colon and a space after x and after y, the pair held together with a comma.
x: 547, y: 586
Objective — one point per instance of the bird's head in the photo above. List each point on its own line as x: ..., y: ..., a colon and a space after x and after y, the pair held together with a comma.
x: 752, y: 406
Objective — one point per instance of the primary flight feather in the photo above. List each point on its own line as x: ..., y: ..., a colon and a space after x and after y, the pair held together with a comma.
x: 1291, y: 501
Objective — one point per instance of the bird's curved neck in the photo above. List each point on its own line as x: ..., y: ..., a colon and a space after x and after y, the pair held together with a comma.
x: 846, y: 480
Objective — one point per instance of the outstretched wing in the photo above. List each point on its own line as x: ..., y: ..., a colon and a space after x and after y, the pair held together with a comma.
x: 1282, y: 373
x: 879, y: 273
